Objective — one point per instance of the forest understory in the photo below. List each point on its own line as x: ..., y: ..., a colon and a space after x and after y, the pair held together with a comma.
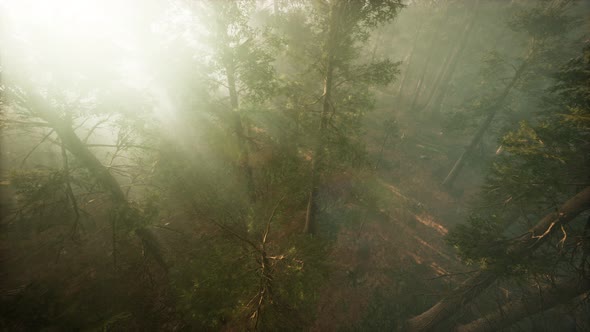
x: 286, y: 165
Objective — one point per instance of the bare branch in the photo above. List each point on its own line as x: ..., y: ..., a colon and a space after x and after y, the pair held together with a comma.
x: 95, y: 127
x: 35, y: 148
x: 453, y: 274
x: 121, y: 146
x: 29, y: 123
x: 235, y: 234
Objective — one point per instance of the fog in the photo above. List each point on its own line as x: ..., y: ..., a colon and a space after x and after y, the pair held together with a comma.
x: 321, y: 165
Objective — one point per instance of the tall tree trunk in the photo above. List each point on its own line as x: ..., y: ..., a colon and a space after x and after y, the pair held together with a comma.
x: 427, y: 63
x: 443, y: 70
x: 437, y: 81
x: 526, y: 244
x: 382, y: 149
x: 80, y: 151
x: 418, y: 88
x: 516, y: 310
x: 409, y: 64
x: 378, y: 37
x: 238, y: 127
x: 492, y: 111
x: 318, y: 153
x: 450, y: 71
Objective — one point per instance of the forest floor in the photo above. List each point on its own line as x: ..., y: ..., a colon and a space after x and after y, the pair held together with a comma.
x: 399, y: 263
x: 391, y: 266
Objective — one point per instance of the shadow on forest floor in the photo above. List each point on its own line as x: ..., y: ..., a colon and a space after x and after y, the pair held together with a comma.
x: 396, y: 265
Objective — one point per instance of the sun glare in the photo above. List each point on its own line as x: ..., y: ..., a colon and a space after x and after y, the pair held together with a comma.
x: 99, y: 43
x: 67, y: 21
x: 86, y: 37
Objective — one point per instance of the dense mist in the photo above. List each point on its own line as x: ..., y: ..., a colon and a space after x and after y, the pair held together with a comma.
x: 295, y: 165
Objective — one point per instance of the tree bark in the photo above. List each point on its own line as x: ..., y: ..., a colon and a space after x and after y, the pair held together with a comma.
x: 516, y: 310
x: 491, y: 111
x: 471, y: 288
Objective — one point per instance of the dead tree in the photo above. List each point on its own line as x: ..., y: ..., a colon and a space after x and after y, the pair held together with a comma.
x: 124, y: 211
x: 491, y: 111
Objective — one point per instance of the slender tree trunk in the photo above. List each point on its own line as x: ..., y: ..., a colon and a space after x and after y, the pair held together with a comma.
x: 244, y: 159
x: 442, y: 72
x: 492, y: 111
x: 418, y: 89
x: 437, y: 80
x: 516, y: 310
x: 409, y: 64
x: 426, y: 64
x: 380, y: 155
x: 318, y: 153
x: 79, y: 150
x: 277, y: 13
x: 448, y: 75
x: 379, y: 36
x: 471, y: 288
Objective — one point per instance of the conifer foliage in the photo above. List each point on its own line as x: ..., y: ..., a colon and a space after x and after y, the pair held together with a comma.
x: 270, y: 165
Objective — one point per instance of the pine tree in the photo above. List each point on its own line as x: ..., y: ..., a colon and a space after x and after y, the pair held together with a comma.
x: 339, y: 30
x: 543, y: 164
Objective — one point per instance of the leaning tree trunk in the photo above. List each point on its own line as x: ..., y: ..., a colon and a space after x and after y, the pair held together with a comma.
x: 526, y: 244
x: 80, y: 151
x: 318, y: 153
x: 516, y: 310
x: 492, y: 111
